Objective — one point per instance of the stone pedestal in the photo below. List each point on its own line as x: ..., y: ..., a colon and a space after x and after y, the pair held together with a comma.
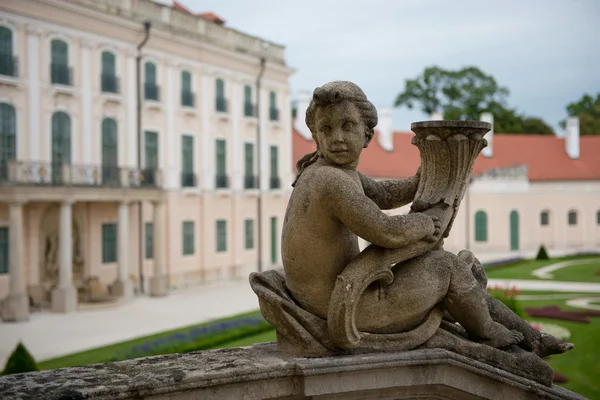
x: 159, y: 286
x: 122, y: 288
x: 261, y: 372
x: 64, y: 300
x: 15, y: 308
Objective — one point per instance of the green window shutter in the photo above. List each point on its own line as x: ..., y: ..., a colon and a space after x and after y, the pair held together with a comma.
x: 572, y: 218
x: 188, y: 237
x: 108, y: 63
x: 273, y: 240
x: 220, y: 88
x: 109, y: 142
x: 151, y: 149
x: 149, y: 236
x: 274, y: 161
x: 186, y: 81
x: 272, y: 100
x: 247, y: 94
x: 221, y: 236
x: 248, y: 159
x: 109, y: 243
x: 4, y: 250
x: 480, y: 226
x: 187, y: 153
x: 249, y: 233
x: 8, y: 137
x: 598, y: 217
x: 6, y: 42
x: 61, y: 142
x: 60, y: 52
x: 544, y: 218
x: 514, y: 230
x: 150, y: 72
x: 221, y: 157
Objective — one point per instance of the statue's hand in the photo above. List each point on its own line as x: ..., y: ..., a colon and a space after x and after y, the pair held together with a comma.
x: 428, y: 227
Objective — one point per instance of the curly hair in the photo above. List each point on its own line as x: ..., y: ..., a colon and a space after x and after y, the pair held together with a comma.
x: 334, y: 93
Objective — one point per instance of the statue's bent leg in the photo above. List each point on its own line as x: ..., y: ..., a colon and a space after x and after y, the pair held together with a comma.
x: 467, y: 301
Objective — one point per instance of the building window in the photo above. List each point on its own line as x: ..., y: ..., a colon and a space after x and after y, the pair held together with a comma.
x: 545, y: 218
x: 598, y: 217
x: 8, y: 63
x: 249, y: 178
x: 480, y: 226
x: 572, y: 217
x: 273, y: 110
x: 514, y: 230
x: 188, y: 237
x: 249, y: 107
x: 249, y: 233
x: 273, y: 240
x: 110, y: 148
x: 187, y: 95
x: 148, y: 177
x: 221, y: 101
x: 109, y: 243
x: 8, y: 138
x: 275, y: 182
x: 151, y: 90
x: 221, y: 236
x: 188, y: 178
x: 4, y: 250
x: 149, y: 234
x: 60, y: 72
x: 61, y: 144
x: 108, y: 79
x: 222, y: 180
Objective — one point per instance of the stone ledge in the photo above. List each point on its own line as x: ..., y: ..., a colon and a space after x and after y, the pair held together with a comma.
x: 261, y: 372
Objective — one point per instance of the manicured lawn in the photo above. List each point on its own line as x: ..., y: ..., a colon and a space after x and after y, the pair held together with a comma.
x: 581, y: 365
x: 173, y: 341
x: 268, y: 336
x: 522, y: 270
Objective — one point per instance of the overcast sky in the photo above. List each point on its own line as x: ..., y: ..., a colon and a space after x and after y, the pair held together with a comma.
x: 547, y: 52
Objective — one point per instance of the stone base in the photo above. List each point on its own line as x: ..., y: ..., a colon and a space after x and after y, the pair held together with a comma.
x: 15, y: 308
x: 122, y: 289
x: 159, y: 286
x: 64, y: 300
x: 261, y: 372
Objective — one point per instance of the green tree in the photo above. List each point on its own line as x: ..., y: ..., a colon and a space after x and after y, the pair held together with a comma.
x: 465, y: 94
x: 588, y: 111
x: 20, y: 361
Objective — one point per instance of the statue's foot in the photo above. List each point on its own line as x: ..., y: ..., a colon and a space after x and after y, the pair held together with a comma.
x: 547, y: 345
x: 498, y: 336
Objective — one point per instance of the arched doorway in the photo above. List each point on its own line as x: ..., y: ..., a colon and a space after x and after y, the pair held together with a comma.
x: 61, y: 144
x: 514, y: 230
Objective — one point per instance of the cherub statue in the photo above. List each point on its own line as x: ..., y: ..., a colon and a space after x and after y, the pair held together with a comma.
x: 333, y: 204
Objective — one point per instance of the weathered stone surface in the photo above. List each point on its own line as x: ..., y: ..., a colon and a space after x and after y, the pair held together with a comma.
x: 333, y: 298
x: 262, y: 372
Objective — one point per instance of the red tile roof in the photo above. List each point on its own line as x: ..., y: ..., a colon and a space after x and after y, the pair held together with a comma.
x: 209, y: 16
x: 545, y: 157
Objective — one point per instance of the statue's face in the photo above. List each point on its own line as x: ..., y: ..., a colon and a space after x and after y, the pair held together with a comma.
x: 341, y: 133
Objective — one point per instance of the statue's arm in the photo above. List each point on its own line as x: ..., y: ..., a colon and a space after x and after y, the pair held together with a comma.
x: 364, y: 218
x: 391, y: 194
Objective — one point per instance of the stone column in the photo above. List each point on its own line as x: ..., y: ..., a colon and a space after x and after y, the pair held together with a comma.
x: 159, y: 282
x: 15, y: 307
x: 123, y: 286
x: 64, y: 297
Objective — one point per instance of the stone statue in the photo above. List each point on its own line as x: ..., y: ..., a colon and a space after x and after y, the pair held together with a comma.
x: 404, y: 291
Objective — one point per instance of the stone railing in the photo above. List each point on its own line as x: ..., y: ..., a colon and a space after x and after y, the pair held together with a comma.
x: 189, y: 23
x: 16, y: 172
x: 261, y: 372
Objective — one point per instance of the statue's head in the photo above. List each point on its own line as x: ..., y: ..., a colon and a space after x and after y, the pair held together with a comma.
x: 340, y: 116
x: 342, y: 123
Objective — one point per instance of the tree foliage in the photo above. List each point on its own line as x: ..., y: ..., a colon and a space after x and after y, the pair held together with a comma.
x: 588, y: 111
x: 20, y: 361
x: 465, y: 94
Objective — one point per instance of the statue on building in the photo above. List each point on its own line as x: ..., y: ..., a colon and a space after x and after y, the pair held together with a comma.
x: 404, y: 291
